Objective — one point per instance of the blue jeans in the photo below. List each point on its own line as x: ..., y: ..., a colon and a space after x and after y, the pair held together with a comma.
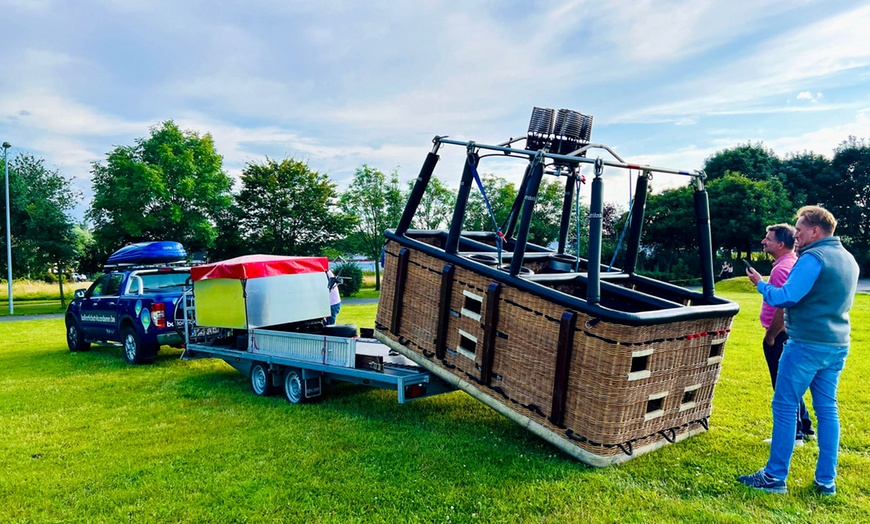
x: 772, y: 355
x: 333, y: 309
x: 817, y: 368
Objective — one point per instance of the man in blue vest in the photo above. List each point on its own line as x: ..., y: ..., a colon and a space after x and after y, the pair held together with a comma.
x: 779, y: 242
x: 817, y: 298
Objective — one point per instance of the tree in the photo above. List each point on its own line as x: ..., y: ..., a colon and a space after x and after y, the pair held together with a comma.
x: 375, y: 202
x: 741, y: 209
x: 808, y: 178
x: 544, y: 227
x: 850, y: 199
x: 547, y: 216
x: 41, y: 230
x: 230, y: 241
x: 501, y: 195
x: 285, y: 208
x: 669, y: 231
x: 170, y: 185
x: 755, y: 161
x: 436, y: 206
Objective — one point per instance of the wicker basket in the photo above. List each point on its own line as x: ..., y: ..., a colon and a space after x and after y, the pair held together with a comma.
x: 601, y: 390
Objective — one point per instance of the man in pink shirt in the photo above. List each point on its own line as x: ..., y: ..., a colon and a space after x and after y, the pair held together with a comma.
x: 779, y: 242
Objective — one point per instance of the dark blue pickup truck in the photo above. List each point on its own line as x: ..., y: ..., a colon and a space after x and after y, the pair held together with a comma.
x: 132, y: 303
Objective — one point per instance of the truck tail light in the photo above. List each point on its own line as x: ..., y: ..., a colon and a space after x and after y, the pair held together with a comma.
x: 158, y: 315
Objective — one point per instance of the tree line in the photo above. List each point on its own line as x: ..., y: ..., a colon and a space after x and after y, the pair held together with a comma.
x: 172, y: 185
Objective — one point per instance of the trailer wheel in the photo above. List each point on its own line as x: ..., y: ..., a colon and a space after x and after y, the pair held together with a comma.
x: 341, y: 330
x: 293, y: 387
x: 75, y: 338
x: 261, y: 382
x: 134, y: 352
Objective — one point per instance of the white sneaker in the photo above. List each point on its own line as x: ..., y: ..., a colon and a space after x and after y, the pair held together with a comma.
x: 798, y: 442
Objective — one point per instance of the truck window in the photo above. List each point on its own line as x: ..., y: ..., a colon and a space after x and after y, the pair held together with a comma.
x: 108, y: 285
x: 158, y: 282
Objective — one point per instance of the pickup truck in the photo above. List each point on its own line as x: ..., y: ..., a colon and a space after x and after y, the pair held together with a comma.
x: 133, y: 303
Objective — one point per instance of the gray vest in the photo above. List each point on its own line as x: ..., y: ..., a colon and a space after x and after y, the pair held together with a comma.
x: 822, y: 316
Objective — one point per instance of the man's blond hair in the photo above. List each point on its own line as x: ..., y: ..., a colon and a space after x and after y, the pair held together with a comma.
x: 818, y: 216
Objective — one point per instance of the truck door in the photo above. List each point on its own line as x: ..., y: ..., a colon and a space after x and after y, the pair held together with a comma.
x: 100, y: 307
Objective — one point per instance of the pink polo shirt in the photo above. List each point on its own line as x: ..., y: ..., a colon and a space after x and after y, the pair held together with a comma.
x: 778, y: 275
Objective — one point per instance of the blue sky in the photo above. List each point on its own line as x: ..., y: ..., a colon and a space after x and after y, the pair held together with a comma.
x: 346, y: 83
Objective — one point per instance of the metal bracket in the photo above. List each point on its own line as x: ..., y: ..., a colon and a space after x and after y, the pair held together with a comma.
x: 471, y: 147
x: 599, y: 167
x: 437, y: 143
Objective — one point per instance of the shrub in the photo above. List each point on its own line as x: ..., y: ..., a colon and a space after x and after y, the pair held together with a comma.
x: 351, y: 278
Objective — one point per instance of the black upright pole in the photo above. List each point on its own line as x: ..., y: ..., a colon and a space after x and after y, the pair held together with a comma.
x: 465, y: 183
x: 705, y: 242
x: 567, y: 202
x: 596, y: 214
x: 531, y: 195
x: 515, y: 209
x: 417, y: 193
x: 637, y: 209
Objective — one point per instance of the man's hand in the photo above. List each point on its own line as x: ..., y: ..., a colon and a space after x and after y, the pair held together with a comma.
x: 754, y: 276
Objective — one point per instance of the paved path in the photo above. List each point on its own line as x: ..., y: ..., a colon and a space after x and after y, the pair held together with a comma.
x: 863, y: 287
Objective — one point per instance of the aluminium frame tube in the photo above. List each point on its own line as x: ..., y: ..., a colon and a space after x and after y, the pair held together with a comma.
x: 511, y: 223
x: 637, y: 209
x: 705, y: 242
x: 567, y: 203
x: 596, y: 215
x: 417, y: 193
x: 452, y: 245
x: 531, y: 195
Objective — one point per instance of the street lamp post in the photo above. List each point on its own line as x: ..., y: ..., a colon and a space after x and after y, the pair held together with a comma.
x: 6, y: 146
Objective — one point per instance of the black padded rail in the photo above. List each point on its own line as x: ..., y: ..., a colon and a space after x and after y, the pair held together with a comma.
x: 444, y: 310
x: 563, y: 367
x: 490, y: 330
x: 399, y: 291
x: 713, y: 308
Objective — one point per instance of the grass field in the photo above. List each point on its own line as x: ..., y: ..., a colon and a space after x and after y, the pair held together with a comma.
x: 87, y: 438
x: 36, y: 298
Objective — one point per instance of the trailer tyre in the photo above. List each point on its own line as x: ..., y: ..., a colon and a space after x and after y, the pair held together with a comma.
x: 261, y: 380
x: 75, y: 338
x: 341, y: 330
x: 294, y: 389
x: 134, y: 351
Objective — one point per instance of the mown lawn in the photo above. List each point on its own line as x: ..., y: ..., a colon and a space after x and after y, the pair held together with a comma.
x: 31, y: 307
x: 86, y: 438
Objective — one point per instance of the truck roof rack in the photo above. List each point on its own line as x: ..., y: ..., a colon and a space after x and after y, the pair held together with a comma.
x: 132, y: 266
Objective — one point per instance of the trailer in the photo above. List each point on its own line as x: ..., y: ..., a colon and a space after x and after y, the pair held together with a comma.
x: 293, y: 351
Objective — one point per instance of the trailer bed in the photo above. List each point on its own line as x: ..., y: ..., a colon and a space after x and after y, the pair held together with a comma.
x: 320, y: 359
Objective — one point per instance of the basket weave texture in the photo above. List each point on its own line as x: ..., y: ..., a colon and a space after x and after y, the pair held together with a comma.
x: 628, y: 387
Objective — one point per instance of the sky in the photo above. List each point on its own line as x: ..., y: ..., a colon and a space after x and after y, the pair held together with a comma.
x: 341, y: 84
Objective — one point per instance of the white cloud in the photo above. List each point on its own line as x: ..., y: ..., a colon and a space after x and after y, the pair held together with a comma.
x: 828, y: 49
x: 806, y: 95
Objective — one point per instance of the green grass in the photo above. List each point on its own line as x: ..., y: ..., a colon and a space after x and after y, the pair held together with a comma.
x: 86, y: 438
x: 31, y: 307
x: 363, y: 315
x: 367, y: 292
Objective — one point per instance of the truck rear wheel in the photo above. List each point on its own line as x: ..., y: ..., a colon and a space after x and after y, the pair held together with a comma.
x: 261, y: 380
x: 134, y: 352
x: 294, y: 389
x: 75, y: 338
